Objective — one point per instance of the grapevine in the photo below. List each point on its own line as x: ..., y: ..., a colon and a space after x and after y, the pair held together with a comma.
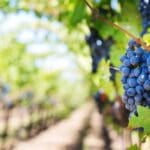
x: 96, y: 15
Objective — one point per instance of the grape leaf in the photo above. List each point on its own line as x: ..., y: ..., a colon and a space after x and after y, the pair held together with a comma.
x: 146, y: 38
x: 78, y: 13
x: 133, y: 147
x: 142, y: 120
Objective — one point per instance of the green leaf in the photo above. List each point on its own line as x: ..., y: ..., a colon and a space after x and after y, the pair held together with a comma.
x: 143, y: 119
x: 146, y: 38
x: 133, y: 147
x: 78, y: 13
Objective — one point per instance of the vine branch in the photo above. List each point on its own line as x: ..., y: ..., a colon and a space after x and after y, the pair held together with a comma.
x: 96, y: 14
x: 114, y: 68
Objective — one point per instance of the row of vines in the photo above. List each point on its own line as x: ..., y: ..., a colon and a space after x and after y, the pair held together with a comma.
x: 108, y: 42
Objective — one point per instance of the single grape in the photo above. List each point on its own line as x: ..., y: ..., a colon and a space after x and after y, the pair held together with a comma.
x: 130, y: 53
x: 139, y: 89
x: 134, y: 60
x: 147, y: 85
x: 144, y: 69
x: 125, y: 71
x: 126, y: 86
x: 124, y: 79
x: 138, y: 99
x: 122, y: 58
x: 139, y: 51
x: 131, y: 44
x: 148, y: 61
x: 148, y: 68
x: 132, y: 82
x: 126, y: 62
x: 142, y: 78
x: 131, y: 101
x: 131, y: 92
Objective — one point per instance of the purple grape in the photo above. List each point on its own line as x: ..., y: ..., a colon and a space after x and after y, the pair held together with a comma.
x: 132, y: 82
x: 137, y: 72
x: 125, y: 71
x: 126, y: 86
x: 147, y: 85
x: 131, y: 101
x: 124, y: 79
x: 122, y: 58
x: 144, y: 69
x: 131, y: 92
x: 148, y: 68
x: 139, y: 89
x: 131, y: 44
x: 134, y: 60
x: 130, y: 53
x: 139, y: 51
x: 142, y: 78
x: 138, y: 99
x: 126, y: 62
x: 148, y: 61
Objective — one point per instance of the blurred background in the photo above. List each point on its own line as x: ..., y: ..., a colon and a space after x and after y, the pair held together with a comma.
x: 48, y: 79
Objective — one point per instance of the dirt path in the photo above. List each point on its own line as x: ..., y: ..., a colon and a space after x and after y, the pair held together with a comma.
x: 83, y: 130
x: 66, y: 135
x: 93, y: 140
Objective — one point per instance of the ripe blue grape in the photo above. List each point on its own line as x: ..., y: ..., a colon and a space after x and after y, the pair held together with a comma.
x: 136, y: 77
x: 130, y: 53
x: 148, y: 61
x: 137, y: 72
x: 132, y: 82
x: 142, y: 78
x: 122, y: 58
x: 138, y: 99
x: 148, y: 68
x: 124, y: 79
x: 131, y: 92
x: 125, y: 86
x: 131, y: 101
x: 126, y: 62
x: 147, y: 85
x: 139, y: 89
x: 139, y: 51
x: 134, y: 60
x: 125, y: 71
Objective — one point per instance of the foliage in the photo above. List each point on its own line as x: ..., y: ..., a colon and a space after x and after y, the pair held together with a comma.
x: 133, y: 147
x: 66, y: 22
x: 142, y: 120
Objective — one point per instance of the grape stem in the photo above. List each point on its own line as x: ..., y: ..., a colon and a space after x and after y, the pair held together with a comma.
x: 114, y: 68
x: 96, y: 14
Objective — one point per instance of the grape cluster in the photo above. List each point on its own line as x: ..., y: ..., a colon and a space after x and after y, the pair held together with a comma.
x: 144, y: 7
x: 135, y: 71
x: 99, y: 48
